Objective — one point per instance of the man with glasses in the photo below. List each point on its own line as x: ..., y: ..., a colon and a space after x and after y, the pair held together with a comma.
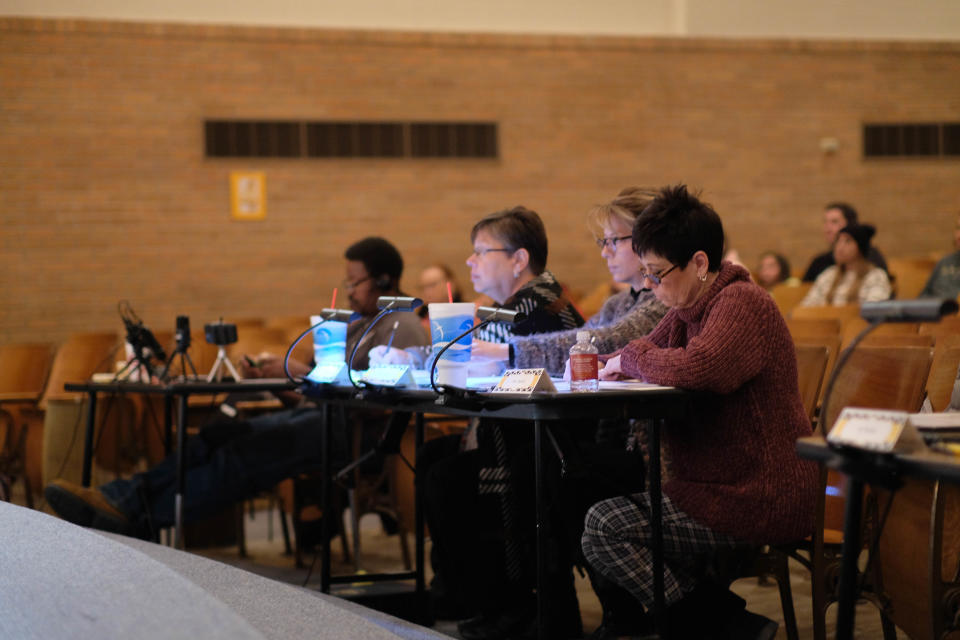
x: 233, y: 460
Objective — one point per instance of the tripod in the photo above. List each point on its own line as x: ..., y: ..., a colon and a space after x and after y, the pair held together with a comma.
x: 184, y: 361
x: 142, y: 361
x: 222, y: 361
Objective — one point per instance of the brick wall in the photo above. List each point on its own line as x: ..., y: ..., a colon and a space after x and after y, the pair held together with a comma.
x: 105, y: 193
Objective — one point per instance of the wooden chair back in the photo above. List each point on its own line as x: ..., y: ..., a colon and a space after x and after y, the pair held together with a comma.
x: 813, y: 327
x: 788, y: 296
x: 943, y: 372
x: 811, y: 366
x: 23, y: 371
x: 894, y: 340
x: 881, y: 378
x: 918, y: 556
x: 832, y: 344
x: 910, y: 275
x: 948, y: 326
x: 82, y: 355
x: 853, y: 326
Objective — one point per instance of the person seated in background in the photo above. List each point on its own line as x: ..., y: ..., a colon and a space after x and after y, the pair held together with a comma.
x: 229, y: 461
x: 944, y: 281
x: 433, y: 288
x: 735, y: 479
x: 836, y: 216
x: 773, y: 269
x: 853, y: 279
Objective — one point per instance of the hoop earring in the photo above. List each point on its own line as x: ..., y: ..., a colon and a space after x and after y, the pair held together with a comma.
x: 702, y: 278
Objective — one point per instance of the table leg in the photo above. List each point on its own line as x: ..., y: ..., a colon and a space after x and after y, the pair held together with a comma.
x: 326, y: 474
x: 418, y: 522
x: 88, y: 438
x: 846, y: 607
x: 656, y: 524
x: 167, y: 424
x: 538, y: 499
x: 181, y: 471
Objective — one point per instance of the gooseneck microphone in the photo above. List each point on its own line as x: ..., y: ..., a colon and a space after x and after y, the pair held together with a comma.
x: 486, y: 315
x: 919, y: 310
x: 387, y: 305
x: 339, y: 315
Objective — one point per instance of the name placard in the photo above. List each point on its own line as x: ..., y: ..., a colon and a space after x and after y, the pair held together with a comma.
x: 875, y: 430
x: 329, y: 373
x: 524, y: 381
x: 390, y: 375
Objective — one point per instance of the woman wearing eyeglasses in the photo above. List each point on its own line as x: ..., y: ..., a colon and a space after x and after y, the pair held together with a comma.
x: 735, y: 477
x: 629, y: 314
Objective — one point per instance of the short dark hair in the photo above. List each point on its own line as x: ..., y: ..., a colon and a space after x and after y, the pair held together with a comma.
x: 676, y: 225
x: 379, y: 258
x: 517, y: 228
x: 849, y: 213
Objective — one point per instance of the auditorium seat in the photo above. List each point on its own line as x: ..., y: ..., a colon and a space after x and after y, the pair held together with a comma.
x: 788, y: 295
x: 943, y: 371
x: 76, y: 360
x: 23, y: 376
x: 873, y: 377
x: 919, y: 557
x: 909, y: 275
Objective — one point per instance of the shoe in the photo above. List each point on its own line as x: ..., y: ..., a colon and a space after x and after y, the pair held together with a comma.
x: 747, y: 625
x: 496, y: 626
x: 88, y: 508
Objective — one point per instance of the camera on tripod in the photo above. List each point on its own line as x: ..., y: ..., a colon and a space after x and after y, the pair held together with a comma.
x: 220, y: 333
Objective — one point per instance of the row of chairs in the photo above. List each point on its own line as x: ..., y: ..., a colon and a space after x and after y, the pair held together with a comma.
x: 35, y: 449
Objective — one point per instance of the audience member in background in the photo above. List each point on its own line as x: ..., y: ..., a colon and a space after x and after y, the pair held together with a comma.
x: 852, y: 279
x: 232, y: 460
x: 735, y: 478
x: 773, y: 269
x: 836, y: 216
x: 433, y: 288
x: 944, y: 282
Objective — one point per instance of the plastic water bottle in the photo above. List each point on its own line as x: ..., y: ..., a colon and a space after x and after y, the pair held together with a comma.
x: 583, y: 364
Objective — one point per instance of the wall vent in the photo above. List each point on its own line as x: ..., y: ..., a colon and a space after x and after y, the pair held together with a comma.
x: 336, y: 139
x: 911, y: 140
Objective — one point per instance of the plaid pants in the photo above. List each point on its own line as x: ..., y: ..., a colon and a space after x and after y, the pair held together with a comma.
x: 616, y: 542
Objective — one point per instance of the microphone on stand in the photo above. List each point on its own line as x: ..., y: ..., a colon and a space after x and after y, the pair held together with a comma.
x: 919, y: 310
x: 339, y: 315
x: 486, y: 315
x: 387, y: 305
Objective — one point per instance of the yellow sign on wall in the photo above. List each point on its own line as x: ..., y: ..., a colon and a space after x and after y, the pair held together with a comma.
x: 248, y: 195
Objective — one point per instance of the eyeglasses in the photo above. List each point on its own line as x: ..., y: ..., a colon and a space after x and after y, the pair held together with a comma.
x: 611, y: 242
x: 657, y: 278
x: 482, y: 252
x: 350, y: 286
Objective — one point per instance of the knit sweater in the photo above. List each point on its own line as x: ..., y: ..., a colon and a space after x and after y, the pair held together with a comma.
x: 621, y: 319
x: 734, y: 467
x: 544, y: 307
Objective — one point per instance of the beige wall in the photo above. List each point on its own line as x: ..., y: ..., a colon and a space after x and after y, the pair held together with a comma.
x: 105, y: 193
x: 896, y: 19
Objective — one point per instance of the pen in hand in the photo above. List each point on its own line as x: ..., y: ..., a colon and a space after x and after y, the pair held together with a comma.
x: 393, y: 332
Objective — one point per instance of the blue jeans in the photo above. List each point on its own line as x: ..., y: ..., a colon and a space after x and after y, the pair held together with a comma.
x: 228, y: 462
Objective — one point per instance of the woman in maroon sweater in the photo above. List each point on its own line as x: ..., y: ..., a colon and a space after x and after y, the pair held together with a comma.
x: 735, y: 478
